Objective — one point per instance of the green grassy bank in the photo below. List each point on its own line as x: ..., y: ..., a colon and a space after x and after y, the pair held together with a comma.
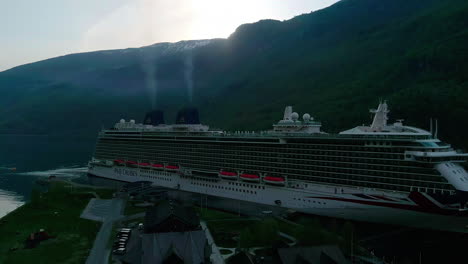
x: 58, y: 212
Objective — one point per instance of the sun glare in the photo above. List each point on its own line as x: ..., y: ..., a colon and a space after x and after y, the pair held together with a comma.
x: 218, y: 19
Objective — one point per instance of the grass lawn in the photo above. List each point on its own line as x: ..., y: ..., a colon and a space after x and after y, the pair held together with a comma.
x: 287, y: 228
x: 58, y: 212
x: 211, y: 214
x: 224, y: 231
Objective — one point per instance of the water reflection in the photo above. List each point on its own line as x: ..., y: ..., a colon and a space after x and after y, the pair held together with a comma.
x: 67, y: 172
x: 9, y: 201
x: 35, y: 157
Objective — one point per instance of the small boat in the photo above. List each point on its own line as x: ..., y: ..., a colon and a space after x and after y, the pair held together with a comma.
x: 131, y: 163
x: 157, y: 166
x: 250, y: 177
x: 228, y: 175
x: 274, y: 180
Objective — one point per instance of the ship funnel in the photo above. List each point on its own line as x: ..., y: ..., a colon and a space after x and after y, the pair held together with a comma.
x: 155, y: 117
x: 188, y: 116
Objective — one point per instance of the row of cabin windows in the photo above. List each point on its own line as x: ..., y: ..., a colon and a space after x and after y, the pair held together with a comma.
x: 370, y: 146
x: 259, y: 157
x: 224, y: 187
x: 394, y: 159
x: 286, y: 168
x: 156, y: 177
x: 298, y: 169
x: 357, y: 180
x: 365, y: 181
x: 292, y: 164
x: 235, y: 148
x: 229, y: 149
x: 434, y: 188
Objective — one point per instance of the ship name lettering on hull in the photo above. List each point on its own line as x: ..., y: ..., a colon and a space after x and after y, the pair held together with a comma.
x: 125, y: 172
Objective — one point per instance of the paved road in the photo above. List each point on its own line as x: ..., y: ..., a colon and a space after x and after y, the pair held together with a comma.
x: 106, y: 211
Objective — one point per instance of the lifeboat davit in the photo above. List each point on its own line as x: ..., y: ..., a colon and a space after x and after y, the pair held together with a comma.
x: 227, y: 175
x: 144, y: 165
x: 172, y: 168
x: 274, y: 180
x: 119, y: 162
x: 250, y: 177
x: 131, y: 163
x: 157, y: 166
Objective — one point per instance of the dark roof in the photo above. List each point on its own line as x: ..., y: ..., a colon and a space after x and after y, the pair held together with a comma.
x: 134, y: 253
x: 165, y: 210
x: 187, y: 246
x: 312, y: 255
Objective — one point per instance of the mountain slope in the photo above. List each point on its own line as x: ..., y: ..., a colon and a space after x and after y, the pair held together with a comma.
x: 334, y: 63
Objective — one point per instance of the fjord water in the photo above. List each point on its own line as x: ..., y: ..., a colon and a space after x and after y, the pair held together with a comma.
x: 35, y: 157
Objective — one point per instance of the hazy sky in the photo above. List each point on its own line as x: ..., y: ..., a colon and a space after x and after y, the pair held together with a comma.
x: 32, y: 30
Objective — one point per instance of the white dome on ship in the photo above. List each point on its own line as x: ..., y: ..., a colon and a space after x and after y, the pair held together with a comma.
x: 294, y: 116
x: 306, y: 117
x: 122, y: 120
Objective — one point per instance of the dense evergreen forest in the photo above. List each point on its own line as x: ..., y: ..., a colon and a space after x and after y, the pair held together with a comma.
x: 334, y: 63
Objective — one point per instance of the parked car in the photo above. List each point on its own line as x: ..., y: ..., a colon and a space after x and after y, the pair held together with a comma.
x: 127, y: 237
x: 124, y: 240
x: 119, y: 246
x: 117, y: 243
x: 119, y: 251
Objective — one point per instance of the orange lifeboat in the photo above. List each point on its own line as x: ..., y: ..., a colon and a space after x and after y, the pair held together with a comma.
x: 250, y: 177
x: 157, y: 166
x: 228, y: 175
x: 144, y: 165
x: 172, y: 168
x: 274, y: 180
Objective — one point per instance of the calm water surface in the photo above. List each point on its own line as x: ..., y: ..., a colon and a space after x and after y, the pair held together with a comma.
x: 36, y: 157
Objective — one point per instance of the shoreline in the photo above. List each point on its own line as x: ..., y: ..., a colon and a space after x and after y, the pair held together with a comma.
x: 56, y: 211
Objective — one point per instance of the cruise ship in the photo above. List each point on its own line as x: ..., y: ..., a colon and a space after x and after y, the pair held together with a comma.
x: 385, y: 173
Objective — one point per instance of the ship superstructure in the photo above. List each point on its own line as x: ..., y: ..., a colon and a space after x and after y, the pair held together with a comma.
x: 371, y: 173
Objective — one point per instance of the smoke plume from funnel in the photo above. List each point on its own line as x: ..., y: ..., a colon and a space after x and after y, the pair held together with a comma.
x: 189, y: 75
x: 151, y: 82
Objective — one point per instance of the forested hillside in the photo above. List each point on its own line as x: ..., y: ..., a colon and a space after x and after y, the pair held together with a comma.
x: 334, y: 63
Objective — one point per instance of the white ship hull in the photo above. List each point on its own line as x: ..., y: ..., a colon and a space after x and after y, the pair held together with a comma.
x: 348, y: 203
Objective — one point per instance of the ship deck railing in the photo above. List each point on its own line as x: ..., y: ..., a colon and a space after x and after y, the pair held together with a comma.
x: 266, y: 134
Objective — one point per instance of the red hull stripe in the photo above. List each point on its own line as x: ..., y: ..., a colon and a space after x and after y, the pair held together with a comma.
x: 382, y: 198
